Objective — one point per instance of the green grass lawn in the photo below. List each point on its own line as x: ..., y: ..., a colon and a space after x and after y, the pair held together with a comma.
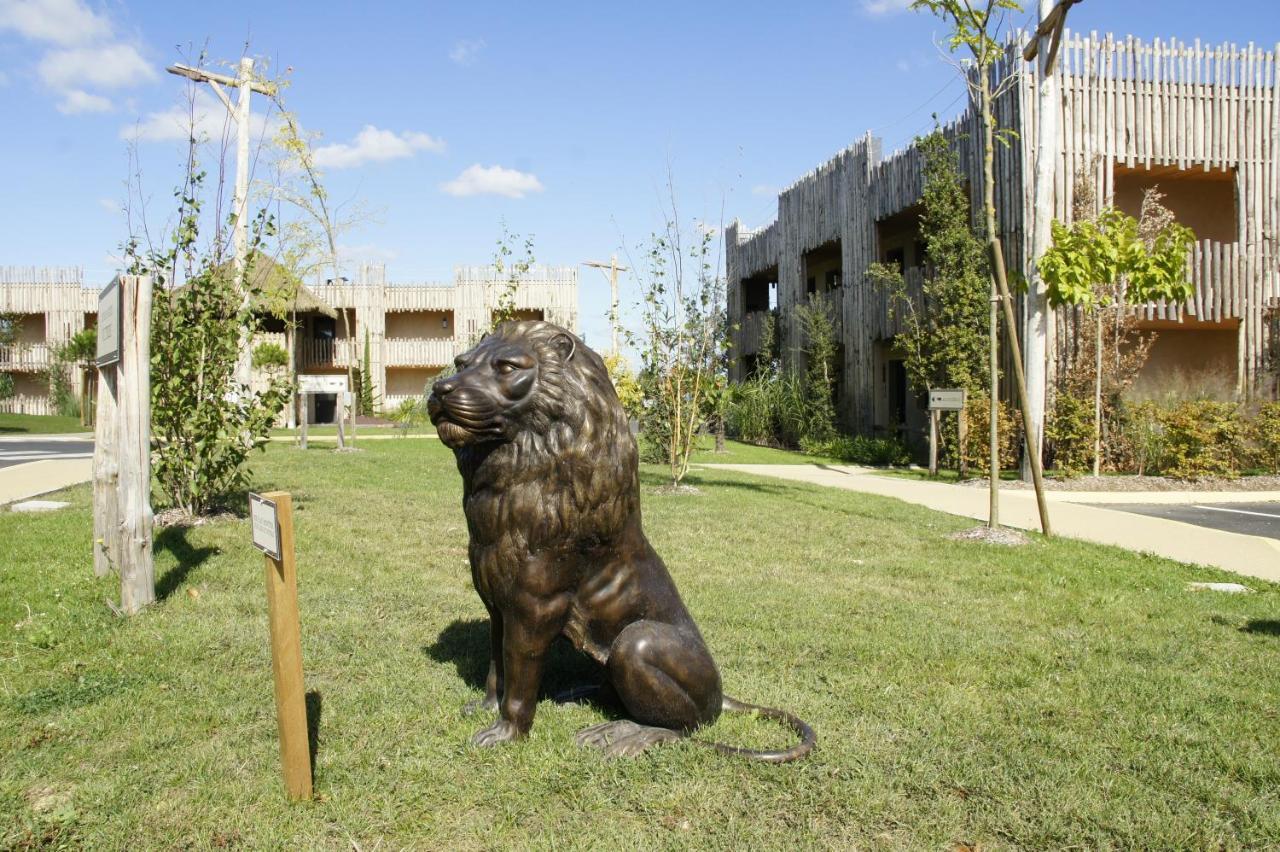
x: 329, y: 431
x: 740, y: 453
x: 39, y: 424
x: 1058, y: 695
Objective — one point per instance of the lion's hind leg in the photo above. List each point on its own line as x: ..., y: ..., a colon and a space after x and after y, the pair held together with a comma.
x: 666, y: 680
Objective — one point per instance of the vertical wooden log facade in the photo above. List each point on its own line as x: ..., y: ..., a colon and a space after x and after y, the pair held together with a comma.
x: 1170, y: 107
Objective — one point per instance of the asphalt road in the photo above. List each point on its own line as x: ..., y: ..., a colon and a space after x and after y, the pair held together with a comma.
x: 1249, y: 518
x: 15, y: 451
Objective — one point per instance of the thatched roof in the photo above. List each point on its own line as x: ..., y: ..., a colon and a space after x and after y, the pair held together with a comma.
x: 278, y: 291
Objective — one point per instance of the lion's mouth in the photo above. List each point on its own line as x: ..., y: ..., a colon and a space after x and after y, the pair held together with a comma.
x: 458, y: 426
x: 452, y: 435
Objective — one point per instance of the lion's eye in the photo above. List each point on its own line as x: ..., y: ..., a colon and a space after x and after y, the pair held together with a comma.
x: 506, y: 368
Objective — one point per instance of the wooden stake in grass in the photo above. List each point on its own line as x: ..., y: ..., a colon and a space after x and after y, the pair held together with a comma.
x: 272, y: 517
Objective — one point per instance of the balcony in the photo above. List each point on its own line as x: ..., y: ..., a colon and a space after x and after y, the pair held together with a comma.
x: 418, y: 352
x: 26, y: 357
x: 320, y: 352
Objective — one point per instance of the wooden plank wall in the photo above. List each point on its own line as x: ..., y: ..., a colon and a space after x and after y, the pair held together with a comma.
x: 1192, y: 106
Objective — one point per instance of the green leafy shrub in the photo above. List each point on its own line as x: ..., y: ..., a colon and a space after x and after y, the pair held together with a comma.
x: 859, y: 449
x: 977, y: 440
x: 270, y: 356
x: 1202, y: 438
x: 1264, y: 437
x: 1070, y: 435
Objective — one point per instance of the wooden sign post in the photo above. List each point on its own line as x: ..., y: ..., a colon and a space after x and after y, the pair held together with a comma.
x: 940, y: 400
x: 122, y: 518
x: 271, y: 515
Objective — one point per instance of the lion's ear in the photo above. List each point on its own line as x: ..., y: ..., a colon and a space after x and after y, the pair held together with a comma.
x: 565, y: 345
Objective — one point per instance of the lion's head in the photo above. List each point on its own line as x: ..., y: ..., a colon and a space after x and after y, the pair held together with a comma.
x: 526, y: 380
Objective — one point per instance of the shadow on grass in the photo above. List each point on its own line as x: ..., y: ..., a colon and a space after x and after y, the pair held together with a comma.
x: 569, y: 674
x: 315, y: 704
x: 174, y: 540
x: 1264, y: 626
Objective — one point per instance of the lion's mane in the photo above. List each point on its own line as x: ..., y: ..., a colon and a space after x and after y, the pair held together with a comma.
x: 569, y: 475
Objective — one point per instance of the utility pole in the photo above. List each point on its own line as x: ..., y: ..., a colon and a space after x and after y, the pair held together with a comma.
x: 244, y: 82
x: 614, y: 269
x: 1043, y: 47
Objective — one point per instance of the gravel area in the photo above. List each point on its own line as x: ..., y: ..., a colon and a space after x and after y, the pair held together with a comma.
x: 1000, y: 535
x: 1143, y: 483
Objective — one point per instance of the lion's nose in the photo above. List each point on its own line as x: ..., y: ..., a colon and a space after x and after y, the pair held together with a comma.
x: 444, y: 387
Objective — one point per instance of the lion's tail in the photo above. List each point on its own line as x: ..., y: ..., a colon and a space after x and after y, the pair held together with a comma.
x: 808, y: 739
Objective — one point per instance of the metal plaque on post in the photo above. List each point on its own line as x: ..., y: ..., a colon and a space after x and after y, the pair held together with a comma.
x: 266, y: 525
x: 109, y: 325
x: 946, y: 399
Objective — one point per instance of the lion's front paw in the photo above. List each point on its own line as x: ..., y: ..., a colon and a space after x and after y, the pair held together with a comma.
x: 488, y: 704
x: 500, y: 731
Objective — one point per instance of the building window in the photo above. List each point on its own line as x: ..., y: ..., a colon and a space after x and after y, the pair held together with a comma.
x: 833, y: 279
x: 811, y: 285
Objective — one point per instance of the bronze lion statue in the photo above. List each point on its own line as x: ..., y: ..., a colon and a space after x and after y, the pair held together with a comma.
x: 551, y: 493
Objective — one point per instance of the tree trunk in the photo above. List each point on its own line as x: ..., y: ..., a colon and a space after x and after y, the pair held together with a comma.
x: 137, y: 571
x: 720, y: 433
x: 1001, y: 282
x: 1097, y: 392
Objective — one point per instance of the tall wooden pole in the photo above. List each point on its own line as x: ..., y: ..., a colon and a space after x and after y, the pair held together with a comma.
x: 240, y: 205
x: 239, y: 111
x: 614, y: 269
x: 1038, y: 316
x: 137, y: 571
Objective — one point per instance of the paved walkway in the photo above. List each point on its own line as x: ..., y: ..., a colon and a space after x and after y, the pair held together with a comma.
x: 24, y: 481
x: 1252, y: 556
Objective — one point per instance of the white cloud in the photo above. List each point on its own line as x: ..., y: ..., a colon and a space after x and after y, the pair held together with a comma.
x: 107, y: 66
x: 205, y: 114
x: 84, y: 56
x: 764, y: 189
x: 76, y: 101
x: 64, y: 22
x: 372, y: 145
x: 111, y: 206
x: 466, y: 51
x: 492, y: 180
x: 876, y: 8
x: 4, y: 79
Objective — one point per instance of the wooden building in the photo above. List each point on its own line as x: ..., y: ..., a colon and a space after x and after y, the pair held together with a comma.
x: 1201, y: 121
x: 414, y: 330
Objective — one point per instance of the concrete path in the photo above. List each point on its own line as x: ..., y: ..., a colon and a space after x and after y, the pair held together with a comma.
x: 1250, y: 555
x: 24, y: 481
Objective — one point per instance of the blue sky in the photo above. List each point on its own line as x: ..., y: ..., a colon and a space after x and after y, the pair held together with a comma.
x: 559, y: 118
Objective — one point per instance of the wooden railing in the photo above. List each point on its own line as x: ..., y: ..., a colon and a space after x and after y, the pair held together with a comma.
x: 418, y: 352
x: 26, y: 404
x: 26, y: 357
x: 325, y: 353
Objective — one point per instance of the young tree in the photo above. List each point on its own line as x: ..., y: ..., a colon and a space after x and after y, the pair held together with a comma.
x: 945, y: 340
x: 313, y: 240
x: 511, y: 270
x: 681, y: 309
x: 204, y: 422
x: 974, y: 29
x: 1105, y: 262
